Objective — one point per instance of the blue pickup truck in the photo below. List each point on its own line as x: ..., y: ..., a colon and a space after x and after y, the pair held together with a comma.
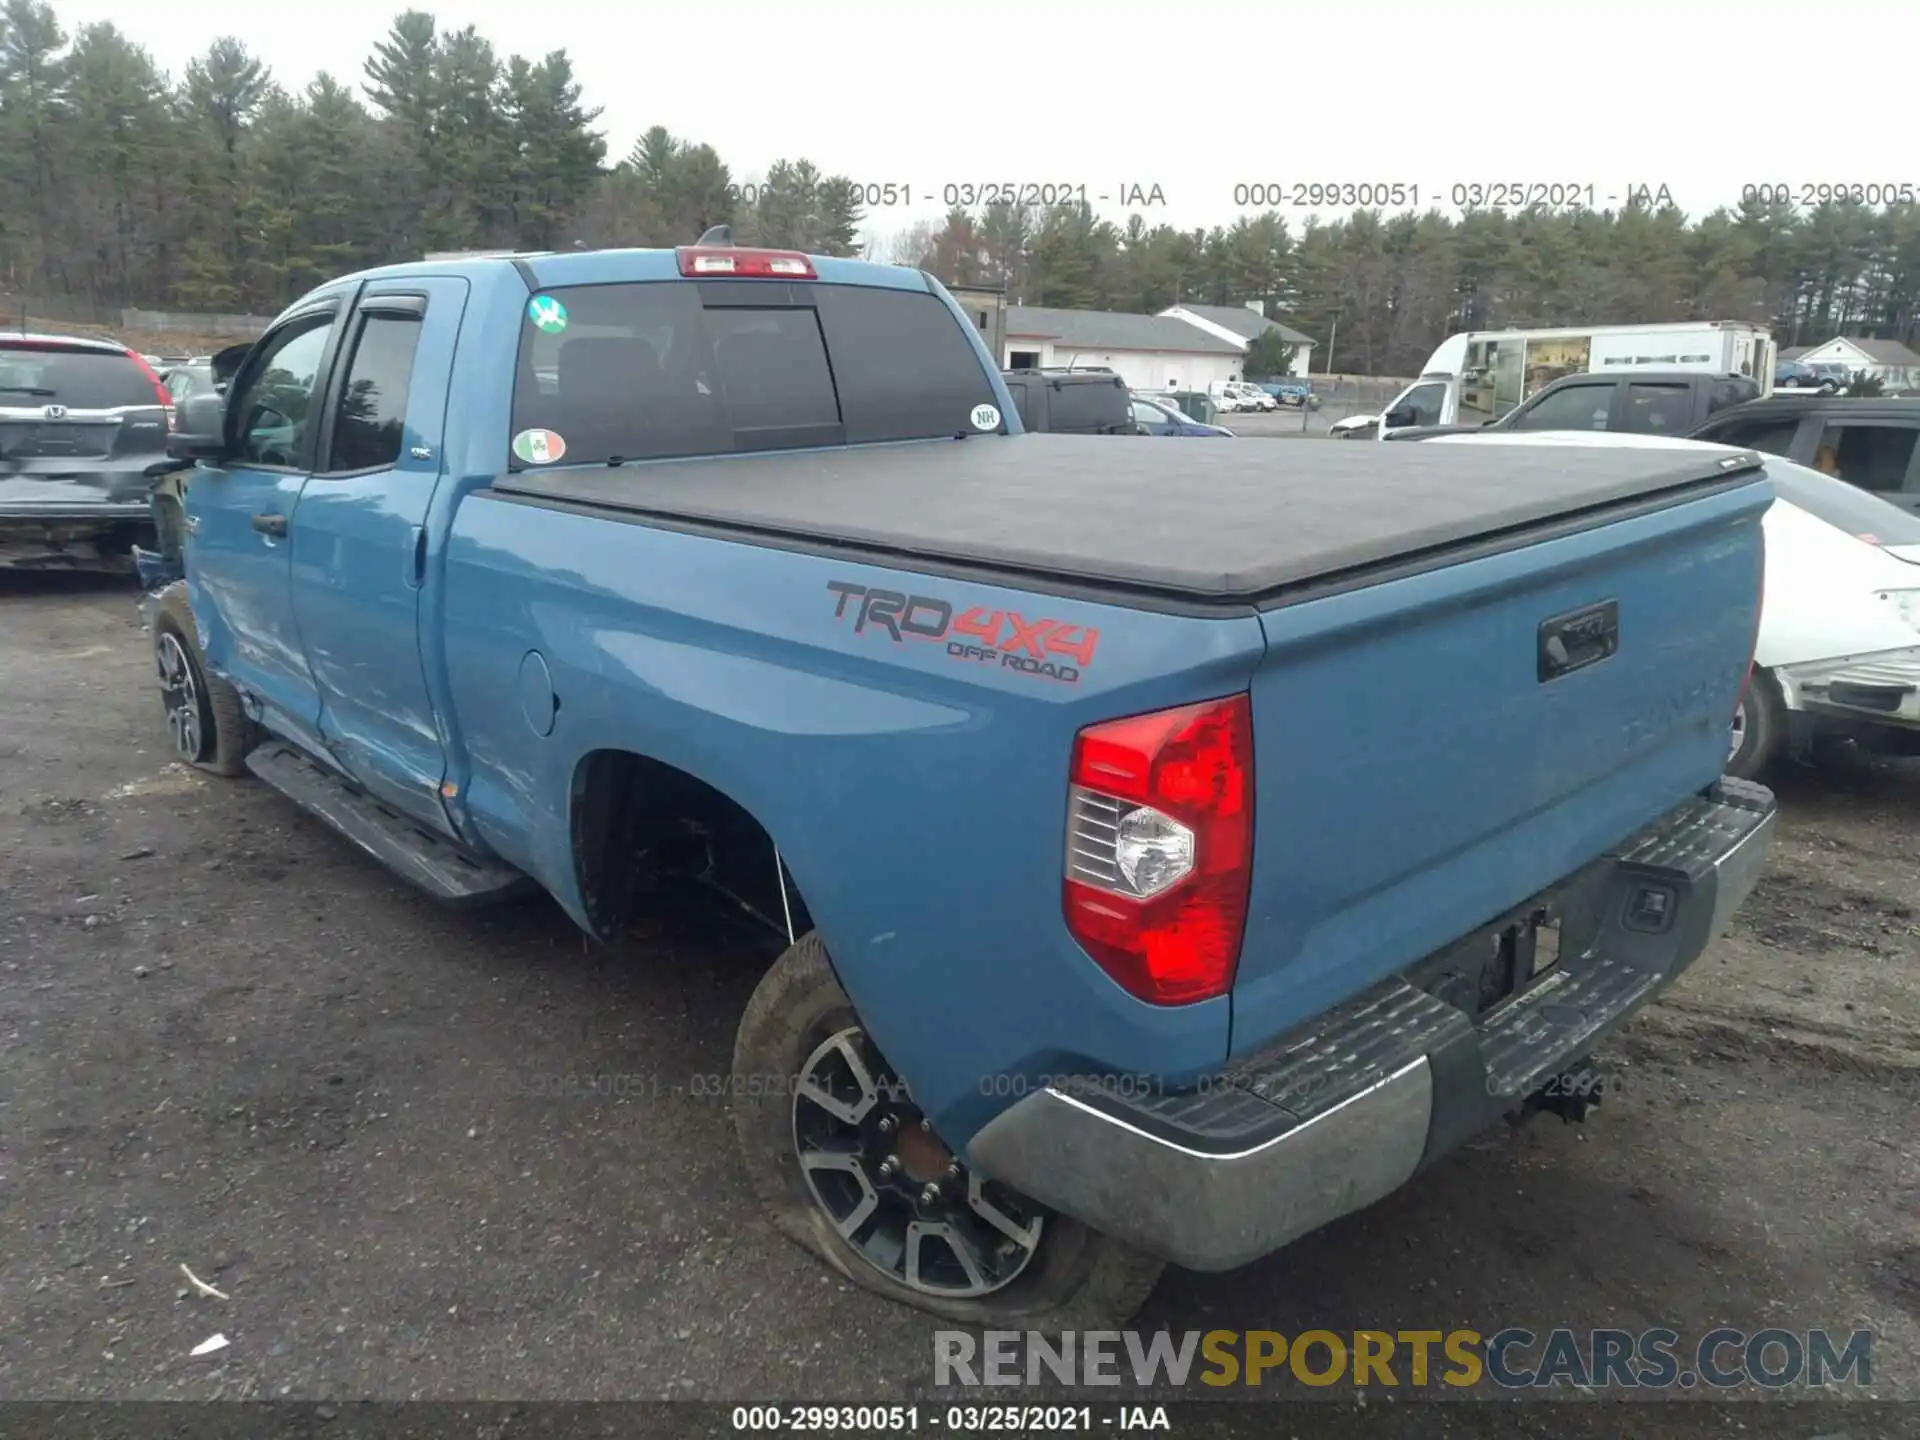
x: 1164, y: 850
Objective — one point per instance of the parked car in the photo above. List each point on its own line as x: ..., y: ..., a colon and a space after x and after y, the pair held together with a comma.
x: 1232, y: 395
x: 1292, y: 393
x: 1792, y: 376
x: 1839, y: 646
x: 81, y: 421
x: 1642, y: 402
x: 1112, y: 929
x: 191, y: 377
x: 1155, y: 417
x: 1869, y: 443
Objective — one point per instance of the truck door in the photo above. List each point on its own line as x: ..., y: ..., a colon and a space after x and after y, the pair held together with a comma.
x: 239, y: 514
x: 359, y: 546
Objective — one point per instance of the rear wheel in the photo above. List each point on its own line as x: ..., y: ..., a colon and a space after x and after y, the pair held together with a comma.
x: 204, y: 720
x: 851, y: 1170
x: 1759, y: 728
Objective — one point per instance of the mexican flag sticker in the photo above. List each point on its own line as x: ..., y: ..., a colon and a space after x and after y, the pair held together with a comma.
x: 539, y: 447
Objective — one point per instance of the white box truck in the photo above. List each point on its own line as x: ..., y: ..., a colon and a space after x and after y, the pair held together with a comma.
x: 1480, y: 375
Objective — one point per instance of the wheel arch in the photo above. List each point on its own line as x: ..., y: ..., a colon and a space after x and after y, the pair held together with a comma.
x: 629, y: 812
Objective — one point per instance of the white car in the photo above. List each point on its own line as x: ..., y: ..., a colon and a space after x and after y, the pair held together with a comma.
x: 1839, y: 639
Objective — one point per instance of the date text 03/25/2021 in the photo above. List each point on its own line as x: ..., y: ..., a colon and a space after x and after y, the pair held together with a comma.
x: 950, y: 1419
x: 1460, y: 194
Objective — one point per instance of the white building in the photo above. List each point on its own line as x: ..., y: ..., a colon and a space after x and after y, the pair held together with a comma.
x: 1892, y: 363
x: 1149, y: 352
x: 1243, y: 324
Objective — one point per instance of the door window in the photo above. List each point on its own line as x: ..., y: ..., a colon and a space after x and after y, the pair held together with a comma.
x: 1873, y: 456
x: 1657, y: 410
x: 1424, y: 401
x: 372, y: 417
x: 1578, y: 407
x: 273, y: 407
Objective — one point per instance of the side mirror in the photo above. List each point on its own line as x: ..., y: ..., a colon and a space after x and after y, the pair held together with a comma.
x: 1398, y: 416
x: 199, y: 428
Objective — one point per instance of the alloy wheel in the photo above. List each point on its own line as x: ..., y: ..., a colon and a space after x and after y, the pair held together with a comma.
x: 180, y: 694
x: 893, y: 1191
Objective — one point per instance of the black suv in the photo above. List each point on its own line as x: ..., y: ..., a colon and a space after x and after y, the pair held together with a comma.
x: 1072, y: 402
x: 1871, y: 443
x: 80, y: 423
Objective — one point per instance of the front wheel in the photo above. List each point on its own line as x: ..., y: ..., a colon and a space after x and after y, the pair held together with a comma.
x: 851, y: 1170
x: 204, y: 720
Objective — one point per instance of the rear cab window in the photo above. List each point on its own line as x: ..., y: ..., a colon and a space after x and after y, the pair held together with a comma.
x: 672, y: 368
x: 33, y: 377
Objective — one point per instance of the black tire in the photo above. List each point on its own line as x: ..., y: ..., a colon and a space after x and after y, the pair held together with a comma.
x: 1076, y: 1279
x: 1759, y: 730
x: 218, y: 734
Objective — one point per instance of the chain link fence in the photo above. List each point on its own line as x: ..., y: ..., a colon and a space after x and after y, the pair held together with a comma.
x: 1334, y: 398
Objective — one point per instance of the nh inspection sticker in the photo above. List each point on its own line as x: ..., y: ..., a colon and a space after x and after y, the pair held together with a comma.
x: 549, y: 316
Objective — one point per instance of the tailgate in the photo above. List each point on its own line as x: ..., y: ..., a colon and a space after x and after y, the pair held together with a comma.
x: 1431, y: 751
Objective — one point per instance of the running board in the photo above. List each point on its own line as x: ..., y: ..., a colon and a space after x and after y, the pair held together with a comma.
x: 428, y: 862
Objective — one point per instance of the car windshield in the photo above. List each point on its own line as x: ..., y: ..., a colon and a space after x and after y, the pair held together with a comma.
x: 1844, y: 506
x: 77, y: 379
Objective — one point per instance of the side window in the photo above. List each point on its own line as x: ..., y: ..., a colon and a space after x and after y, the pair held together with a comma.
x: 1578, y: 407
x: 273, y: 405
x: 1657, y: 410
x: 1774, y: 437
x: 1874, y: 457
x: 1424, y: 401
x: 373, y: 401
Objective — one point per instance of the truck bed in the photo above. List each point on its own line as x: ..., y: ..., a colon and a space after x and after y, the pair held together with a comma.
x: 1236, y: 524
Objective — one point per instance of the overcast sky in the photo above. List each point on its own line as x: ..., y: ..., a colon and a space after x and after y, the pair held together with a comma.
x: 1700, y: 96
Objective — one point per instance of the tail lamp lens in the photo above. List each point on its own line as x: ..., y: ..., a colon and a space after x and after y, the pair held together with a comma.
x: 1160, y: 848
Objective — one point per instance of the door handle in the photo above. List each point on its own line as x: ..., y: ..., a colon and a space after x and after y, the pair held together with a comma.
x: 270, y: 524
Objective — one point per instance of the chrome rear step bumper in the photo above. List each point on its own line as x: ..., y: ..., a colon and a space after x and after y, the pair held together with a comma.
x: 1345, y: 1110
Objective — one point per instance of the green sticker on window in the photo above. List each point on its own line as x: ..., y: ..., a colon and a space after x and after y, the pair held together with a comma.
x: 539, y: 447
x: 548, y: 315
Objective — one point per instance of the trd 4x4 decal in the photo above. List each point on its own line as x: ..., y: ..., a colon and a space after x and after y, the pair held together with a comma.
x: 1006, y: 638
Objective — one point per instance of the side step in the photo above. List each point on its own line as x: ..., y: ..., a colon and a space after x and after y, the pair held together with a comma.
x: 426, y: 861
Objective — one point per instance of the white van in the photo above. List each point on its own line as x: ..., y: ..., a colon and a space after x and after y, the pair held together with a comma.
x: 1240, y: 395
x: 1480, y: 375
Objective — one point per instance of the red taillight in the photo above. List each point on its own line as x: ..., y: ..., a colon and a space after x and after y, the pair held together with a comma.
x: 160, y: 390
x: 1160, y: 848
x: 724, y: 260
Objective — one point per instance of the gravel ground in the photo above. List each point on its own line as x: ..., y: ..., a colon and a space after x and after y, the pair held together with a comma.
x: 228, y: 1041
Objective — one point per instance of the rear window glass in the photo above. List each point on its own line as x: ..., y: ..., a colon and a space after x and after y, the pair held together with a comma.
x: 1845, y: 506
x: 662, y: 369
x: 77, y: 379
x: 1082, y: 408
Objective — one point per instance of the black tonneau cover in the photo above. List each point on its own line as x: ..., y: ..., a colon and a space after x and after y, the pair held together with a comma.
x: 1221, y: 521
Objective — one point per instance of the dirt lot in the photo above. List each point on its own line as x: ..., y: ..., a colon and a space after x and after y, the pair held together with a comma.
x: 228, y: 1041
